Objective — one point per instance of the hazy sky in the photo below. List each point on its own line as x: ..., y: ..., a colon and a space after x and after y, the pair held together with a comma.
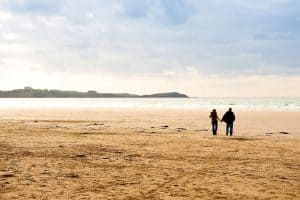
x: 198, y: 47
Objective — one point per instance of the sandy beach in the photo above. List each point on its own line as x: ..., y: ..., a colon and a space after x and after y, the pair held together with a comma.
x: 147, y: 154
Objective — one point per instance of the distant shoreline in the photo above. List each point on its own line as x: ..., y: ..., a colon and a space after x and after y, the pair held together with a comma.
x: 29, y: 92
x: 138, y: 97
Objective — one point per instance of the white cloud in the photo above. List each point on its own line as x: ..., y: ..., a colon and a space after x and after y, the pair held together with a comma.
x: 10, y: 36
x: 4, y: 15
x: 90, y: 15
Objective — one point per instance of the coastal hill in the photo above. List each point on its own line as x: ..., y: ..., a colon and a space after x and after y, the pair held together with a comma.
x: 29, y: 92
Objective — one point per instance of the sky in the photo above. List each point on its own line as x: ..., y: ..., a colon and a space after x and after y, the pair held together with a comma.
x: 203, y: 48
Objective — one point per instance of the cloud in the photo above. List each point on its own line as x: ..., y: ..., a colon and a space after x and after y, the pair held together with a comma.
x: 177, y: 12
x: 136, y: 8
x: 33, y: 6
x: 155, y: 38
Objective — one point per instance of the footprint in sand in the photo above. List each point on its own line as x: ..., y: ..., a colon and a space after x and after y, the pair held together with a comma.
x: 269, y: 133
x: 80, y: 155
x: 202, y: 130
x: 164, y: 127
x: 7, y: 175
x: 181, y: 129
x: 284, y: 133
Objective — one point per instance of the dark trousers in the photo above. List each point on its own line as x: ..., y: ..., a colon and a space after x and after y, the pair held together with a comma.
x: 229, y: 128
x: 214, y: 125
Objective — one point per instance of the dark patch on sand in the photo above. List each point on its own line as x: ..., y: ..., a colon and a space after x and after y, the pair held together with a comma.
x: 164, y: 127
x: 284, y: 133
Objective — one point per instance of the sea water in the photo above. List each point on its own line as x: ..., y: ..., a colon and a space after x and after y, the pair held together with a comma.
x: 283, y: 103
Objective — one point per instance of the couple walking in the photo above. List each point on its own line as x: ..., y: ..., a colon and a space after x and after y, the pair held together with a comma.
x: 228, y: 118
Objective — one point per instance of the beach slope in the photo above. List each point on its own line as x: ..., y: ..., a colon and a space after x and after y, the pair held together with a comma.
x: 147, y: 154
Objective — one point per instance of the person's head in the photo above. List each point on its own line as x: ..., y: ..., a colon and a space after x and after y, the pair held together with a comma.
x: 214, y: 110
x: 230, y: 110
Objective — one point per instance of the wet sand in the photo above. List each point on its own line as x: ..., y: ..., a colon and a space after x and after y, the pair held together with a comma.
x: 147, y: 154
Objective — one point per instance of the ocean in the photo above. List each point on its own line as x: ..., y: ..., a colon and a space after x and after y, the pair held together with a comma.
x: 283, y: 103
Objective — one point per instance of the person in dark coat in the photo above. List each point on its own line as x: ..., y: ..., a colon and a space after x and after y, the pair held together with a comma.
x: 214, y: 121
x: 229, y: 118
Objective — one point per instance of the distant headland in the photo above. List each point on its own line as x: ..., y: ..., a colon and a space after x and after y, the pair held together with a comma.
x: 29, y: 92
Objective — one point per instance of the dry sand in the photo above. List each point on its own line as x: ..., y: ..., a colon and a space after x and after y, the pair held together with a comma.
x: 127, y: 154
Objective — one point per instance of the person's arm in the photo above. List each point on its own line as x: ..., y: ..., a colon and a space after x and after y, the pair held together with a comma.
x: 223, y: 118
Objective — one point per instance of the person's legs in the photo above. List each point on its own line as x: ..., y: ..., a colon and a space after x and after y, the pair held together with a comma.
x: 227, y: 129
x: 231, y: 129
x: 214, y: 127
